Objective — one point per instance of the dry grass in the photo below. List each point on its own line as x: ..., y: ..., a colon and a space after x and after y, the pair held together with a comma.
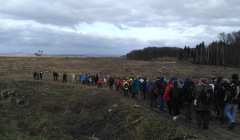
x: 53, y: 110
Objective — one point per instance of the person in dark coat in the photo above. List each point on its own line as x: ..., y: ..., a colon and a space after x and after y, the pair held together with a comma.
x: 96, y: 78
x: 161, y: 85
x: 204, y: 103
x: 219, y: 97
x: 153, y: 95
x: 55, y: 76
x: 41, y: 74
x: 35, y: 75
x: 148, y: 88
x: 111, y: 81
x: 187, y: 95
x: 144, y: 88
x: 175, y: 99
x: 65, y: 78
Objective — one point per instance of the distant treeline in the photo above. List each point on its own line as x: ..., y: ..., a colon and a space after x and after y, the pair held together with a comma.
x: 151, y: 53
x: 225, y: 51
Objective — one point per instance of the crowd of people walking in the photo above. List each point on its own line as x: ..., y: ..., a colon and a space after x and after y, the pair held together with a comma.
x: 218, y: 95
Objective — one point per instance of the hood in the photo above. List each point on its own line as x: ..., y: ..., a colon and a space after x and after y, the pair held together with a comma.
x: 174, y: 78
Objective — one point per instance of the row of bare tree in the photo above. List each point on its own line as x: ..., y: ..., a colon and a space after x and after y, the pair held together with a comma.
x: 225, y: 51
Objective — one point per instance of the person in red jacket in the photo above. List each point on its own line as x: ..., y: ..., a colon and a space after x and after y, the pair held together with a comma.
x: 115, y: 83
x: 100, y: 82
x: 38, y: 75
x: 166, y: 94
x: 120, y: 84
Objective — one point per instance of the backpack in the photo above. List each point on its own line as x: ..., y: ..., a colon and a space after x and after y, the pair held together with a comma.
x: 231, y: 92
x: 126, y: 86
x: 133, y: 83
x: 189, y: 93
x: 143, y: 85
x: 207, y: 95
x: 175, y: 94
x: 161, y: 88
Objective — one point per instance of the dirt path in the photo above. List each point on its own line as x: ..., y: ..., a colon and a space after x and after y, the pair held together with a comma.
x: 216, y: 129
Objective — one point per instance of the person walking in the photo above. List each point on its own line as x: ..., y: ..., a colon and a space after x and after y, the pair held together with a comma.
x: 187, y: 94
x: 73, y: 78
x: 175, y: 99
x: 83, y: 79
x: 148, y: 88
x: 38, y: 75
x: 203, y: 103
x: 232, y: 99
x: 161, y: 85
x: 126, y: 87
x: 154, y: 94
x: 144, y: 88
x: 65, y: 78
x: 41, y: 74
x: 166, y: 95
x: 136, y: 86
x: 111, y: 82
x: 34, y: 75
x: 99, y: 82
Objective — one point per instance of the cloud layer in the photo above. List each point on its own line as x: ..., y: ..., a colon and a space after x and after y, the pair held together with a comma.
x: 112, y: 27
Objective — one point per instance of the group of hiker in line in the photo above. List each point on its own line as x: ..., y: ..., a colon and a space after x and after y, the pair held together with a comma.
x: 89, y: 80
x: 37, y: 75
x: 219, y: 95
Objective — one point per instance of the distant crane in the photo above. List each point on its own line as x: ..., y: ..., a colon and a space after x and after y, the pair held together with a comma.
x: 39, y: 53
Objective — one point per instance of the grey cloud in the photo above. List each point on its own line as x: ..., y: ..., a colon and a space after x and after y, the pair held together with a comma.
x: 53, y: 41
x: 131, y: 13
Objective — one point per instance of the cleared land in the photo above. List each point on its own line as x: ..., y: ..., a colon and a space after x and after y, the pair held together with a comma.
x: 44, y: 109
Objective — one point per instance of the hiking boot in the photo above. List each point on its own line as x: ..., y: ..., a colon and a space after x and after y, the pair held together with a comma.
x: 232, y: 125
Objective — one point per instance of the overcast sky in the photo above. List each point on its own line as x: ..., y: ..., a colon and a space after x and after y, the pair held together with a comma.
x: 112, y: 27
